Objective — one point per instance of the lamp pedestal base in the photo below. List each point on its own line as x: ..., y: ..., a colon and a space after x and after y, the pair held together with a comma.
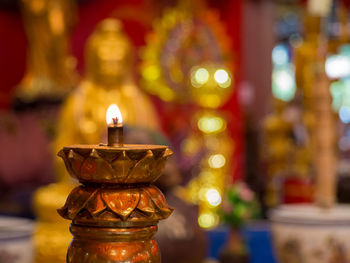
x: 122, y: 245
x: 116, y: 210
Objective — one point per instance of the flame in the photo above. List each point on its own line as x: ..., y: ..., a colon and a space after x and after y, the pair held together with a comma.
x: 113, y: 115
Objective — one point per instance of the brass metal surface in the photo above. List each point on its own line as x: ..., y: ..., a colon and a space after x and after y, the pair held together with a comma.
x: 115, y: 211
x: 128, y: 164
x: 99, y: 245
x: 115, y: 136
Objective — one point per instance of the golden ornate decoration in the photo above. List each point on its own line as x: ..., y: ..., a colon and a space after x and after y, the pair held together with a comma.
x: 207, y: 189
x: 86, y: 205
x: 184, y: 37
x: 125, y: 164
x: 211, y: 85
x: 187, y: 59
x: 115, y: 212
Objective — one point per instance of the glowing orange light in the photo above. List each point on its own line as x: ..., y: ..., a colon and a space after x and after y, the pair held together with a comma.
x: 113, y: 115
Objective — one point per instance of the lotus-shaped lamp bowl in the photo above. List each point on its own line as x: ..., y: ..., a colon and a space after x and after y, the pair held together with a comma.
x: 130, y: 164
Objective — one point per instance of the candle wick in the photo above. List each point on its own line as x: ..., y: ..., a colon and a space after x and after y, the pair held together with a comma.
x: 115, y: 121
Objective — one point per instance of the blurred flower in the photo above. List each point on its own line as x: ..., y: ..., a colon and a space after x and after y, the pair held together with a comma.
x: 239, y: 206
x: 246, y: 194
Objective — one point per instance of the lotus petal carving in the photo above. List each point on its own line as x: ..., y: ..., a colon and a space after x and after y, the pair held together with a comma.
x: 146, y: 202
x: 123, y: 165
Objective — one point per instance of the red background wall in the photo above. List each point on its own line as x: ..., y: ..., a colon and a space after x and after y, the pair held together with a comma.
x: 137, y: 18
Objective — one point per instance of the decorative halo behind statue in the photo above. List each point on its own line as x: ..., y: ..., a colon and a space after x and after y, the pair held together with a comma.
x: 181, y: 40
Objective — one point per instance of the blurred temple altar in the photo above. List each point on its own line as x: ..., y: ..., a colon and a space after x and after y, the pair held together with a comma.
x: 251, y: 96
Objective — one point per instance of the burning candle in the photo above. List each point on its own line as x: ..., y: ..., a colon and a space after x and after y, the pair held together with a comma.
x: 115, y: 126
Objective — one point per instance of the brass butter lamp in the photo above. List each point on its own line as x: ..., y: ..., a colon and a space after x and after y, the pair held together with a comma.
x: 115, y: 210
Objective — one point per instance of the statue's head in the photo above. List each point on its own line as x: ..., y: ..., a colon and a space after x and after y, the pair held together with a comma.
x: 108, y: 54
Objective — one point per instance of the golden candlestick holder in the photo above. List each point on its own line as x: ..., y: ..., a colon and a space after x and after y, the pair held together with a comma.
x: 116, y: 208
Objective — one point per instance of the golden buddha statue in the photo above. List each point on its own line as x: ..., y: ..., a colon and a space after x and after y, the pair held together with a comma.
x: 108, y: 80
x: 51, y: 70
